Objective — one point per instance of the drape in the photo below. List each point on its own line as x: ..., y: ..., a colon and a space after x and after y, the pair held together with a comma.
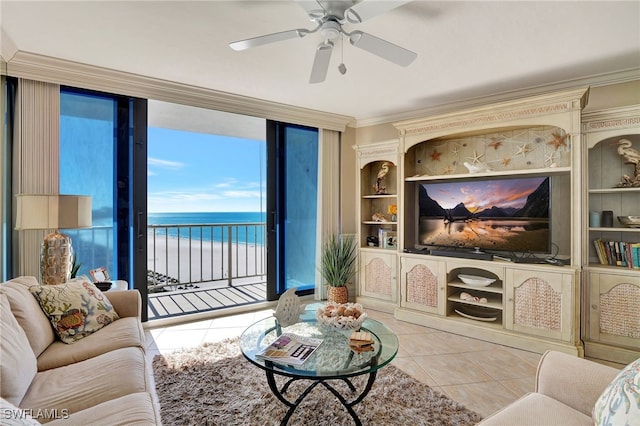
x: 36, y: 160
x: 328, y: 198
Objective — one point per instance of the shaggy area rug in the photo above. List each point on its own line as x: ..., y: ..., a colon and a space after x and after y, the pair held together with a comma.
x: 215, y: 385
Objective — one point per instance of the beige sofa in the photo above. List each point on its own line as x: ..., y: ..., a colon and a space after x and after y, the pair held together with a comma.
x: 103, y: 378
x: 566, y: 391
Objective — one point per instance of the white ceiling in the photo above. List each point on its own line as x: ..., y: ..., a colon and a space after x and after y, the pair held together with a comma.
x: 465, y: 49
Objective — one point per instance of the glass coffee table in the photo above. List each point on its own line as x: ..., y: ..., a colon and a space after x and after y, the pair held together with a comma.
x: 333, y: 360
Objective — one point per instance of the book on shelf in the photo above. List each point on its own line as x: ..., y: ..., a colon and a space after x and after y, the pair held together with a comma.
x: 618, y: 253
x: 290, y: 349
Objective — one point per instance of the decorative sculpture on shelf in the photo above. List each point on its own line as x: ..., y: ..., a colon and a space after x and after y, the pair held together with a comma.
x: 289, y: 309
x: 477, y: 167
x: 631, y: 156
x: 380, y: 187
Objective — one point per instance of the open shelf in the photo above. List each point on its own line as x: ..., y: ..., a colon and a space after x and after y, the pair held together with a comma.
x: 493, y: 288
x: 492, y: 303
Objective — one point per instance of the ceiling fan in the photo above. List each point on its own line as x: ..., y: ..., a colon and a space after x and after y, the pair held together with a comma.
x: 329, y: 16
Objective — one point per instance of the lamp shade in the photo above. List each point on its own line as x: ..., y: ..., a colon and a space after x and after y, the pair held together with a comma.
x: 53, y: 211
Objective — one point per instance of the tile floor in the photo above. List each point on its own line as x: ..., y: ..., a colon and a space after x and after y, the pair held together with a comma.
x: 483, y: 376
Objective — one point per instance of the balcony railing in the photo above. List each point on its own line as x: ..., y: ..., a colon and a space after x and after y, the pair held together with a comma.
x: 188, y: 254
x: 185, y: 255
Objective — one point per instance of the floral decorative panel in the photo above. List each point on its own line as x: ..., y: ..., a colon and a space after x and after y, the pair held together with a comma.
x: 422, y: 286
x: 538, y: 305
x: 378, y: 277
x: 619, y: 311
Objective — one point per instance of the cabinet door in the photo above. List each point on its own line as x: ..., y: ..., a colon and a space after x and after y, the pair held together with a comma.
x: 540, y: 303
x: 422, y: 285
x: 614, y: 309
x: 378, y: 275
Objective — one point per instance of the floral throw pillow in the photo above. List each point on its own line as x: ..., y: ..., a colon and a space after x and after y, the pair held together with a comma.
x: 619, y: 404
x: 76, y: 309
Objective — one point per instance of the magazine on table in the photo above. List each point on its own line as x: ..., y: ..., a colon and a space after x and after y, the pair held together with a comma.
x: 290, y: 349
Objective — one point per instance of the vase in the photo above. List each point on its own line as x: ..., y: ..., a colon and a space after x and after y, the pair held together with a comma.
x: 338, y: 294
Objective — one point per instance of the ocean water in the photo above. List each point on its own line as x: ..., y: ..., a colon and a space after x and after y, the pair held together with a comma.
x: 240, y: 234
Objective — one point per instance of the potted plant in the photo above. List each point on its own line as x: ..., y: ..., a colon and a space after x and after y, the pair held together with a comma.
x: 337, y: 266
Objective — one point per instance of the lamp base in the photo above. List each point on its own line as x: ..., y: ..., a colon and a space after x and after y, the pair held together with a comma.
x: 56, y: 259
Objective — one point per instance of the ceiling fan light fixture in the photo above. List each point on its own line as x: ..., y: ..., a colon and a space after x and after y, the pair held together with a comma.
x: 330, y: 30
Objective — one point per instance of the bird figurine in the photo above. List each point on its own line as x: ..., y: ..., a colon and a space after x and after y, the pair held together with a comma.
x: 631, y: 156
x: 477, y: 168
x: 380, y: 187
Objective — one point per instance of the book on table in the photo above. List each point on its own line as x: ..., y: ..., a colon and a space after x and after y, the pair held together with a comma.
x: 290, y: 349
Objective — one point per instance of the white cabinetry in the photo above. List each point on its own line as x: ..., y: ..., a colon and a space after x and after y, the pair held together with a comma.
x: 377, y: 180
x: 611, y: 296
x: 532, y: 307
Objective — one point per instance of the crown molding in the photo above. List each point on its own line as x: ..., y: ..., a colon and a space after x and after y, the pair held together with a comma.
x: 54, y: 70
x: 592, y: 81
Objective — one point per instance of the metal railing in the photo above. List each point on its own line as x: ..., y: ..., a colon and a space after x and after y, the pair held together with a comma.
x: 188, y: 254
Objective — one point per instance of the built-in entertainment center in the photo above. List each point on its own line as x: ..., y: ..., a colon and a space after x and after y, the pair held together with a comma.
x: 481, y: 227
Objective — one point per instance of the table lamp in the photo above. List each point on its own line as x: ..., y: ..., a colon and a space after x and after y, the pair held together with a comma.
x: 54, y: 211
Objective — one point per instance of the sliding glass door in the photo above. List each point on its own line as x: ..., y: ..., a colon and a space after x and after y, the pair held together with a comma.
x: 103, y: 154
x: 292, y: 206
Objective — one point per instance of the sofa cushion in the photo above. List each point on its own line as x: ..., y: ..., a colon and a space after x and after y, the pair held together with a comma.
x: 27, y: 311
x: 75, y: 309
x: 18, y: 363
x: 126, y: 332
x: 133, y: 409
x: 87, y: 383
x: 10, y: 415
x: 619, y: 404
x: 537, y: 409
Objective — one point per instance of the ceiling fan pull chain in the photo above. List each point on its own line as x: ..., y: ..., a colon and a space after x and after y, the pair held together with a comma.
x: 342, y: 67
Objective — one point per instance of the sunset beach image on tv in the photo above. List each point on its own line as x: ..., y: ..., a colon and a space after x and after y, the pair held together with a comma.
x: 507, y: 214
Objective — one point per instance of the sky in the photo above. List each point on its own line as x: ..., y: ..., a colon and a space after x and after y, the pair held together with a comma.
x: 198, y: 172
x: 478, y: 195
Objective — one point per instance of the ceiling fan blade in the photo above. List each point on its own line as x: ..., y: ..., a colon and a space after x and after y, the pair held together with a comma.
x: 269, y: 38
x: 312, y: 7
x: 382, y: 48
x: 321, y: 62
x: 367, y: 9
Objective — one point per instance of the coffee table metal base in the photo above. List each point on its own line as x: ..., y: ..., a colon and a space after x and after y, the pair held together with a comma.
x: 279, y: 393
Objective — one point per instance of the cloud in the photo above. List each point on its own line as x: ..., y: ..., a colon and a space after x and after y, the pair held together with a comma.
x: 242, y: 194
x: 228, y: 182
x: 166, y: 164
x: 183, y: 196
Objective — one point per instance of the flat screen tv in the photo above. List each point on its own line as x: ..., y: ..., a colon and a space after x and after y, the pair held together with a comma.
x: 494, y: 215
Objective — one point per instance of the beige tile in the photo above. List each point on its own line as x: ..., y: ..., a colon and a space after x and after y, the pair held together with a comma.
x: 409, y: 366
x: 452, y: 369
x: 532, y: 358
x: 176, y: 339
x: 483, y: 398
x: 195, y: 325
x: 483, y: 376
x: 501, y: 364
x: 520, y: 387
x: 219, y: 334
x: 420, y: 344
x: 402, y: 327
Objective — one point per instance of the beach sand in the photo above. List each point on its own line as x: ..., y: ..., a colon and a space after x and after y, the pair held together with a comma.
x: 195, y: 261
